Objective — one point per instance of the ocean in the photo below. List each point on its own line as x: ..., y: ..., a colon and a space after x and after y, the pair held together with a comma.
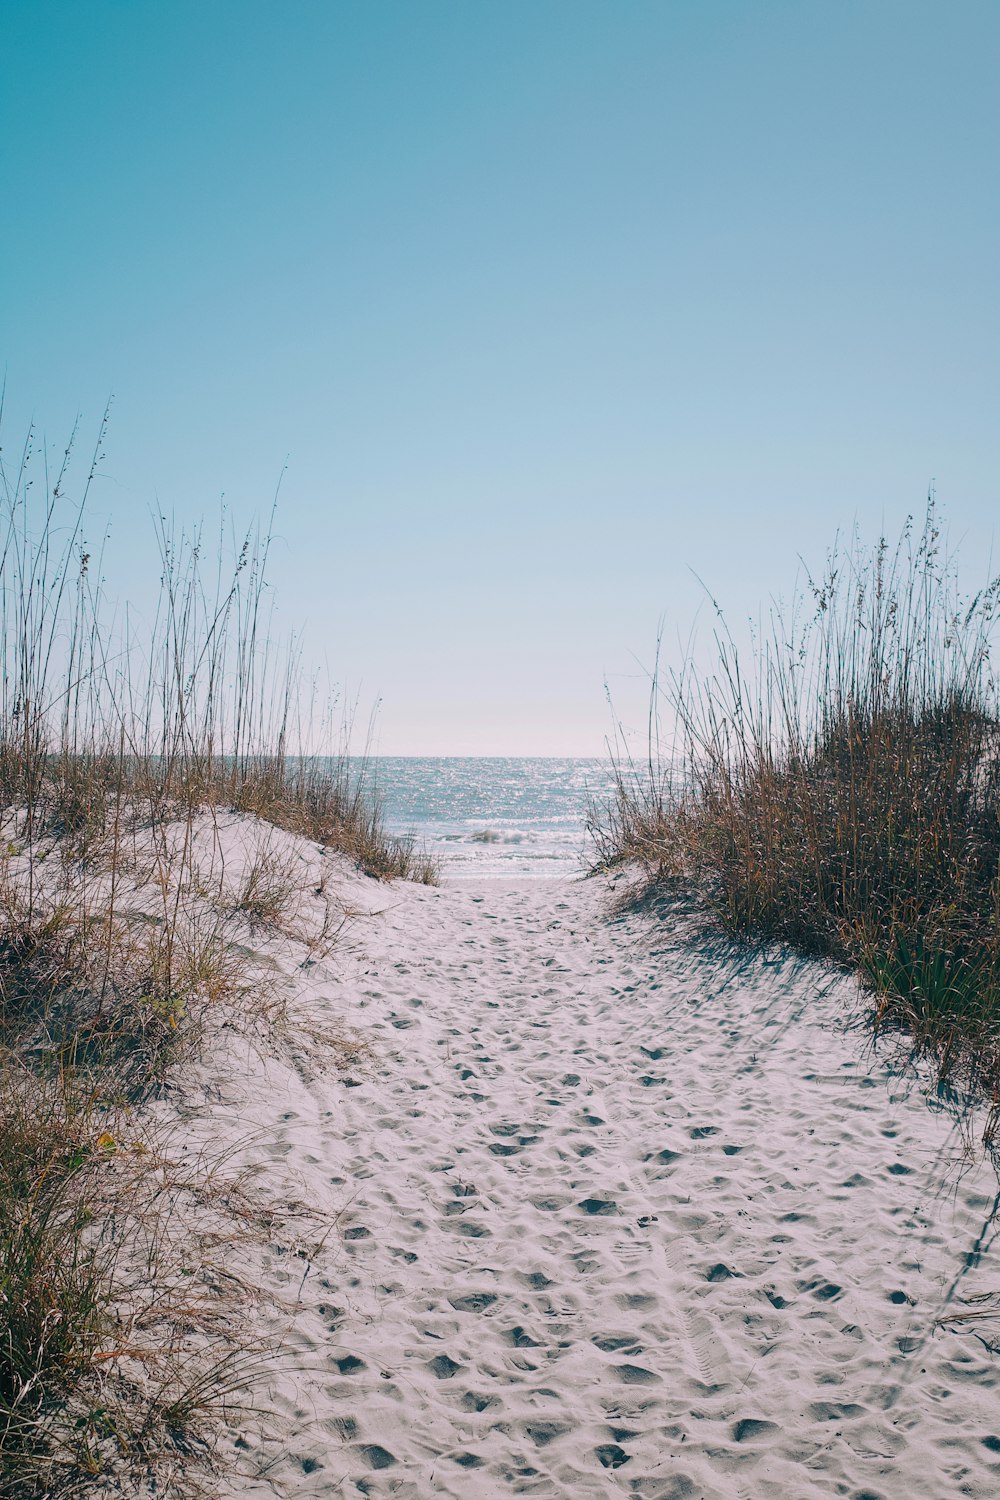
x: 493, y: 817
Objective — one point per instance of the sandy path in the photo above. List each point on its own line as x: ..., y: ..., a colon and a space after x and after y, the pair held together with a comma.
x: 612, y: 1215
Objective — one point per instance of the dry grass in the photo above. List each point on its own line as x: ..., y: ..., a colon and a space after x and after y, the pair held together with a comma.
x: 116, y: 744
x: 117, y: 1346
x: 842, y: 793
x: 332, y: 800
x: 268, y: 888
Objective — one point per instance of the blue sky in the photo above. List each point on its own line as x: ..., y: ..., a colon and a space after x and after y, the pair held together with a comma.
x: 548, y: 305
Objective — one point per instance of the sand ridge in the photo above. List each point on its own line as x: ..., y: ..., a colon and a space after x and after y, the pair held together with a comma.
x: 607, y: 1212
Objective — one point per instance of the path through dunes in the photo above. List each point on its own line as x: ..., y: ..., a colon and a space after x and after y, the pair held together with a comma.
x: 612, y: 1215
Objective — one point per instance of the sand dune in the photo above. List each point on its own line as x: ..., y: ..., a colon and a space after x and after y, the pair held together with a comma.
x: 600, y: 1210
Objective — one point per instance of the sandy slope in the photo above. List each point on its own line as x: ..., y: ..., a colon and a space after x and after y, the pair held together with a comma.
x: 602, y: 1212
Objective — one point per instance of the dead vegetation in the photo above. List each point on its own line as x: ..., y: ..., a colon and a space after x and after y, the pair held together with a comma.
x: 841, y: 792
x: 120, y: 751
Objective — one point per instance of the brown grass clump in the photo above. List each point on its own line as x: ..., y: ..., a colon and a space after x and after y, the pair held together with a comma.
x: 842, y: 793
x: 52, y: 1284
x: 110, y: 1376
x: 332, y: 800
x: 117, y: 748
x: 99, y: 726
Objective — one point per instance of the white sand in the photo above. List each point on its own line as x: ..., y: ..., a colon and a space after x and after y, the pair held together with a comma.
x: 603, y: 1212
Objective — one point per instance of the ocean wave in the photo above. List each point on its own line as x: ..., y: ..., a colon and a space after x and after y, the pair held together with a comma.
x: 503, y: 817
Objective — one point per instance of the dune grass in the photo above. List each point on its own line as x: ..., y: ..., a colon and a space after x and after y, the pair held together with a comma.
x: 840, y: 791
x: 117, y: 733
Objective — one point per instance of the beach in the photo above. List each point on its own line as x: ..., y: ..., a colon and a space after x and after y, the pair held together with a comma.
x: 500, y: 752
x: 590, y: 1203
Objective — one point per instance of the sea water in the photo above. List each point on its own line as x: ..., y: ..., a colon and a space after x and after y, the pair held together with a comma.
x: 493, y: 817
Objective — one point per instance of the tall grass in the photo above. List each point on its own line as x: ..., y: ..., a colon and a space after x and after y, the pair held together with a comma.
x: 840, y: 790
x: 112, y: 721
x: 196, y: 705
x: 118, y: 730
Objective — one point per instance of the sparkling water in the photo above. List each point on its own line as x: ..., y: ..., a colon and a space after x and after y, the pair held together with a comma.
x: 493, y: 817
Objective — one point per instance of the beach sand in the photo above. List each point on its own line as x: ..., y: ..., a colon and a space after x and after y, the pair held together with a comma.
x: 596, y: 1207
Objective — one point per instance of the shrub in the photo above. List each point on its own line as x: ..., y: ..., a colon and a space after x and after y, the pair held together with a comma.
x: 841, y: 792
x: 112, y: 746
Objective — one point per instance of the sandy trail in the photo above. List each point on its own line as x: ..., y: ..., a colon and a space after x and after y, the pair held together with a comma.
x: 609, y: 1213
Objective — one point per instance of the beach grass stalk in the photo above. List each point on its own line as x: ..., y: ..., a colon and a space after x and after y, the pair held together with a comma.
x: 118, y: 736
x: 838, y: 789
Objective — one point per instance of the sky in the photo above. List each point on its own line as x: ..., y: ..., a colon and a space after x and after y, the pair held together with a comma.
x: 549, y: 315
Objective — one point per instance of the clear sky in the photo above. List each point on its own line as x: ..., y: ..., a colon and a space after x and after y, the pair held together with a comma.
x: 546, y: 302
